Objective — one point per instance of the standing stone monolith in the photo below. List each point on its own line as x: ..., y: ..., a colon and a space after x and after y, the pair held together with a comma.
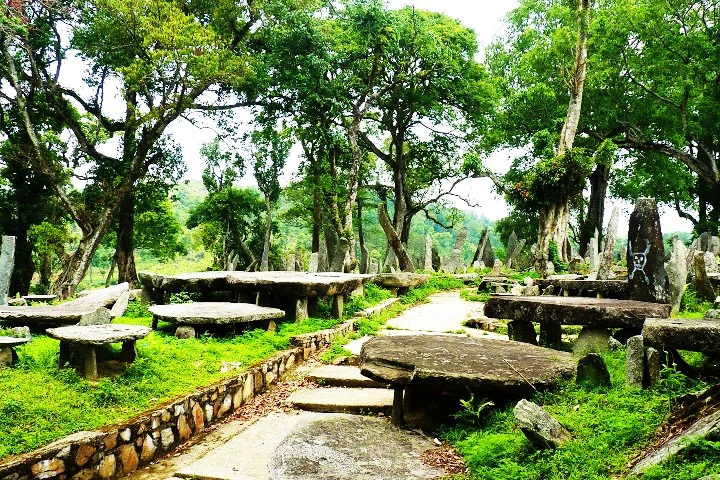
x: 7, y: 262
x: 290, y: 263
x: 480, y: 246
x: 677, y: 272
x: 703, y: 287
x: 592, y: 255
x: 455, y: 261
x: 647, y: 278
x: 314, y: 262
x: 487, y: 255
x: 364, y: 260
x: 323, y: 262
x: 605, y: 271
x: 513, y: 259
x: 428, y: 252
x: 635, y: 361
x: 435, y: 259
x: 511, y: 246
x: 341, y: 250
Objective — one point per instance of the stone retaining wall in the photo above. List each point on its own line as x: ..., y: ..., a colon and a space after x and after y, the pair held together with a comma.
x: 118, y: 450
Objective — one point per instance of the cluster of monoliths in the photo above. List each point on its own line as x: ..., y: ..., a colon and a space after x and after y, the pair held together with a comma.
x: 647, y: 278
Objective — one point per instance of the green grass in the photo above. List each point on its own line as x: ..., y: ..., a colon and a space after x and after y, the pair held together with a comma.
x: 41, y: 403
x: 610, y: 425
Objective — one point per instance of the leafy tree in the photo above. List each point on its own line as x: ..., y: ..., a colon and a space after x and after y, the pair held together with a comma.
x: 270, y: 149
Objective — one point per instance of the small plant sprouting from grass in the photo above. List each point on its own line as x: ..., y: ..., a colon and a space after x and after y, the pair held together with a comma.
x: 472, y: 410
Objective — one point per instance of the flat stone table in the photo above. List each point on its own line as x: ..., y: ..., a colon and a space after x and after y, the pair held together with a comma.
x: 695, y: 335
x: 85, y: 338
x: 214, y: 313
x: 399, y: 283
x: 8, y: 356
x: 40, y: 298
x: 296, y: 292
x: 552, y: 312
x: 432, y: 373
x: 158, y: 288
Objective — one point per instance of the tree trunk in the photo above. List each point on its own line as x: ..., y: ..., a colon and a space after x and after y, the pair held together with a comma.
x: 78, y: 263
x: 317, y: 217
x: 109, y: 277
x: 264, y: 261
x: 364, y: 261
x: 599, y: 181
x: 406, y: 264
x: 23, y: 267
x: 125, y: 248
x: 554, y: 219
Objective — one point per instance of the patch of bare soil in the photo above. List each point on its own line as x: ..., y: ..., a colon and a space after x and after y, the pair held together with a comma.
x: 446, y: 458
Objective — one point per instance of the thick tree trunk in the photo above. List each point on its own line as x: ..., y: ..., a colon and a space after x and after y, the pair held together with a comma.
x: 265, y: 260
x: 125, y: 248
x: 24, y: 267
x: 317, y: 217
x: 78, y: 263
x: 111, y: 272
x: 554, y: 219
x: 599, y: 181
x: 406, y: 264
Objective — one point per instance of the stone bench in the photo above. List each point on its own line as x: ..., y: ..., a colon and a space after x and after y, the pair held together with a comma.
x: 695, y: 335
x: 213, y: 313
x: 553, y: 312
x: 39, y: 298
x: 399, y: 283
x: 432, y: 373
x: 8, y: 355
x: 89, y: 309
x: 83, y: 339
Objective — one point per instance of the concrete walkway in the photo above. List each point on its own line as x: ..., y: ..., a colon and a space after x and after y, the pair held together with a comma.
x: 292, y: 444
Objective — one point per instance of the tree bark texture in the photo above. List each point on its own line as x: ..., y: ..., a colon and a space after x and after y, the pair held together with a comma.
x: 406, y: 264
x: 599, y: 181
x: 265, y: 260
x: 125, y: 248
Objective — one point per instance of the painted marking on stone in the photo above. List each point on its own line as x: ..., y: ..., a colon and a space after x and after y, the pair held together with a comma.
x: 639, y: 260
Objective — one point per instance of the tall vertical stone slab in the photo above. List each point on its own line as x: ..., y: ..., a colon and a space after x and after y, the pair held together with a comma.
x: 512, y: 262
x: 314, y: 262
x: 455, y: 261
x: 7, y: 262
x: 364, y: 260
x: 605, y: 271
x: 703, y: 287
x: 341, y: 250
x: 593, y: 255
x: 435, y: 259
x: 487, y: 255
x: 647, y: 278
x: 677, y: 272
x: 480, y: 246
x: 323, y: 262
x: 512, y: 244
x: 428, y: 253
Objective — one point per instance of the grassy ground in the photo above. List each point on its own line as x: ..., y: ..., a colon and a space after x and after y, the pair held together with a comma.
x: 610, y: 425
x: 41, y: 403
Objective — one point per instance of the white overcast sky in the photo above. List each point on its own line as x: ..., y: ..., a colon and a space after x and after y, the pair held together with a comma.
x: 486, y: 18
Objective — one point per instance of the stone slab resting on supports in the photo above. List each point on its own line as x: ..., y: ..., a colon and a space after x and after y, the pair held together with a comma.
x: 8, y: 356
x: 214, y: 313
x: 431, y: 373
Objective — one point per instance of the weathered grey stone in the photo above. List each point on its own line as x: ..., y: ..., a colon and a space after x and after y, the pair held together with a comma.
x: 593, y: 255
x: 635, y: 361
x: 213, y: 313
x: 592, y: 370
x: 487, y: 255
x: 436, y: 264
x: 653, y: 365
x: 364, y: 260
x: 592, y: 340
x: 323, y: 261
x: 7, y: 262
x: 99, y: 334
x: 314, y: 262
x: 341, y: 250
x: 647, y: 278
x: 600, y: 312
x: 148, y: 448
x: 20, y: 332
x: 677, y: 273
x: 399, y: 280
x: 713, y: 314
x: 428, y: 253
x: 606, y: 261
x: 683, y: 334
x: 290, y: 262
x: 614, y: 344
x: 107, y: 466
x: 120, y: 306
x: 185, y: 332
x: 520, y: 331
x: 516, y: 254
x: 541, y: 428
x: 497, y: 268
x: 455, y: 262
x: 575, y: 263
x: 510, y: 249
x: 497, y: 368
x: 703, y: 287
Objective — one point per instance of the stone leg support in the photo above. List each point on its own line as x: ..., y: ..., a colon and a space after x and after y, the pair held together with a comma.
x: 312, y: 305
x: 402, y: 291
x: 128, y: 354
x: 7, y: 356
x: 521, y: 331
x: 154, y: 323
x: 301, y: 309
x: 90, y: 363
x: 398, y: 415
x: 64, y: 354
x: 337, y: 306
x: 550, y: 334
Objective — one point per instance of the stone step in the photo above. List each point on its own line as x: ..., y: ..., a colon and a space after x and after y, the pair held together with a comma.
x: 342, y: 376
x: 343, y: 400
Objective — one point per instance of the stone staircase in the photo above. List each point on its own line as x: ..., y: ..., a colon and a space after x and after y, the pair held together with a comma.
x: 343, y: 390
